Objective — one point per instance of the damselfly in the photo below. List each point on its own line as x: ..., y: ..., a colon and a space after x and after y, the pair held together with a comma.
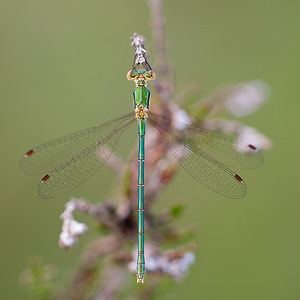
x: 71, y: 160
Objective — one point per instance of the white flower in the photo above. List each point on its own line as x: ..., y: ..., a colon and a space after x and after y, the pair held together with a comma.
x: 246, y: 98
x: 67, y: 240
x: 71, y: 229
x: 77, y: 229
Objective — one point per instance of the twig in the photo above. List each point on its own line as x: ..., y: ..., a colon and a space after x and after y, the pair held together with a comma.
x: 164, y: 86
x: 87, y: 272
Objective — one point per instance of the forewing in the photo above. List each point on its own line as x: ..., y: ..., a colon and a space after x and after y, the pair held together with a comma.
x: 230, y: 151
x: 50, y: 155
x: 226, y: 149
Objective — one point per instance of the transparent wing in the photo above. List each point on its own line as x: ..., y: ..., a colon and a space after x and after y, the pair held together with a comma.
x: 48, y: 156
x: 92, y: 147
x: 202, y: 154
x: 227, y: 149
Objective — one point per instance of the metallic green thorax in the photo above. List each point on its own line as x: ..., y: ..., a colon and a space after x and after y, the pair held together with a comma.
x: 141, y: 96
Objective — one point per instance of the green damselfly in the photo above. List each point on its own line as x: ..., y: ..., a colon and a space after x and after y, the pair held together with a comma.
x: 71, y: 160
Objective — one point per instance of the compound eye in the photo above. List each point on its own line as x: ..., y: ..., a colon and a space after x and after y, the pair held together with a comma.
x: 152, y: 75
x: 131, y: 75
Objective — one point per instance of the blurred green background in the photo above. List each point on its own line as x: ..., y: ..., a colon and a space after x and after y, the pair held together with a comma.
x: 63, y: 68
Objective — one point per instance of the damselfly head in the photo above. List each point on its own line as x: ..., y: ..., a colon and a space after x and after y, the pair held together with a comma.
x: 141, y: 77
